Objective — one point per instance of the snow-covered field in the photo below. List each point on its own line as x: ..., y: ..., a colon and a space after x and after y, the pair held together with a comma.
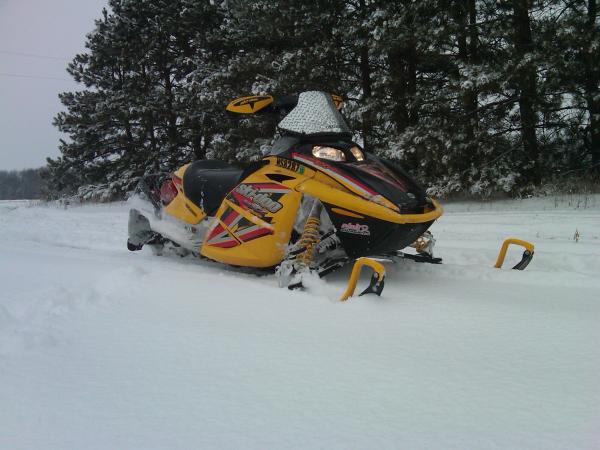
x: 105, y: 349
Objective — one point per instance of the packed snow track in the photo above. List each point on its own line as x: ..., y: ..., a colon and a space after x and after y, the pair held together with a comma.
x: 105, y: 349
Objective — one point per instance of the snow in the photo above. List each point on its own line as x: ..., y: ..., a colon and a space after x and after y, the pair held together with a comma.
x: 101, y: 348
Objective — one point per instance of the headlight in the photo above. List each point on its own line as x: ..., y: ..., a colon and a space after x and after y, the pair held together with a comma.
x: 330, y: 153
x: 358, y: 154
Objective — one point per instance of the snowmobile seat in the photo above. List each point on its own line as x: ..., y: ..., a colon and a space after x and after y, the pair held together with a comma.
x: 207, y: 182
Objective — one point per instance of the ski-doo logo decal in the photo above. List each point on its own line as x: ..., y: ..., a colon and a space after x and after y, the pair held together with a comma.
x: 356, y: 228
x: 290, y: 165
x: 336, y: 174
x: 258, y: 196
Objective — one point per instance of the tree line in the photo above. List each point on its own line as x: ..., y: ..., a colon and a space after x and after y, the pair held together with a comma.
x: 21, y: 184
x: 472, y: 96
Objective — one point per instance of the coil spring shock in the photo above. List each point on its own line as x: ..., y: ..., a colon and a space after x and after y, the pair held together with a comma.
x: 310, y: 235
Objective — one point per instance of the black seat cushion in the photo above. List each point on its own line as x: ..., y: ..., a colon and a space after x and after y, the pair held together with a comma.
x: 207, y: 182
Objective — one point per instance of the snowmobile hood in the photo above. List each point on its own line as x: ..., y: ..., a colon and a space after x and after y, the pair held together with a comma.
x: 378, y: 190
x: 314, y: 115
x: 391, y: 183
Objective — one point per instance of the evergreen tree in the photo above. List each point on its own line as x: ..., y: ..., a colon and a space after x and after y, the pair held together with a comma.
x: 138, y: 114
x: 472, y: 95
x: 572, y: 39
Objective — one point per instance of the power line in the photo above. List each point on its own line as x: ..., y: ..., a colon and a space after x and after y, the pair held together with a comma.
x: 41, y: 77
x: 33, y: 55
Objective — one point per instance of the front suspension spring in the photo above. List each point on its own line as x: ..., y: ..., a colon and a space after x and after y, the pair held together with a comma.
x: 310, y: 235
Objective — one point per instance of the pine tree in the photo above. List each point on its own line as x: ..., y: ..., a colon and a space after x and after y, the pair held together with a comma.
x: 573, y: 42
x: 137, y: 114
x: 471, y: 95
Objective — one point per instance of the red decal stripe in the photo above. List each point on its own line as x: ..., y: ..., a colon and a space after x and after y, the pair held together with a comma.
x: 243, y: 201
x: 268, y: 186
x: 230, y: 217
x: 225, y: 244
x: 176, y: 180
x: 216, y: 231
x: 255, y: 234
x: 318, y: 163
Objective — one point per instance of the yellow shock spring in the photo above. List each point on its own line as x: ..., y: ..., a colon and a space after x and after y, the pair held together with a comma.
x: 310, y: 237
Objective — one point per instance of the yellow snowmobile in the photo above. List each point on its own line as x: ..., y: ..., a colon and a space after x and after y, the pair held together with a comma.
x: 317, y: 202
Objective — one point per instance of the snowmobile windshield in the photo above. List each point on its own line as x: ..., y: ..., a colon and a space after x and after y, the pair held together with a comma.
x: 314, y: 115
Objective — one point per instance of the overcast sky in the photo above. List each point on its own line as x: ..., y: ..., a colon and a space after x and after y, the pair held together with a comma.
x: 54, y: 30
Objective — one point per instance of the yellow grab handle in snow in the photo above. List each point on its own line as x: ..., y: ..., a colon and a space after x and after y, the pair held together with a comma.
x: 527, y: 254
x: 376, y: 285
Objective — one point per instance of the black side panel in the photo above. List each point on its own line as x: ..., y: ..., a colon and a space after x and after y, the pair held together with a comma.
x: 414, y: 187
x: 372, y: 237
x: 409, y: 201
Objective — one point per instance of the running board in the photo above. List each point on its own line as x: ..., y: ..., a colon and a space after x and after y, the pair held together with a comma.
x: 420, y: 257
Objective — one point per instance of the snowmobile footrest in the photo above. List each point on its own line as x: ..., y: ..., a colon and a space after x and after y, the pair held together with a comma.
x: 377, y: 280
x: 527, y: 254
x: 420, y: 258
x: 323, y: 272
